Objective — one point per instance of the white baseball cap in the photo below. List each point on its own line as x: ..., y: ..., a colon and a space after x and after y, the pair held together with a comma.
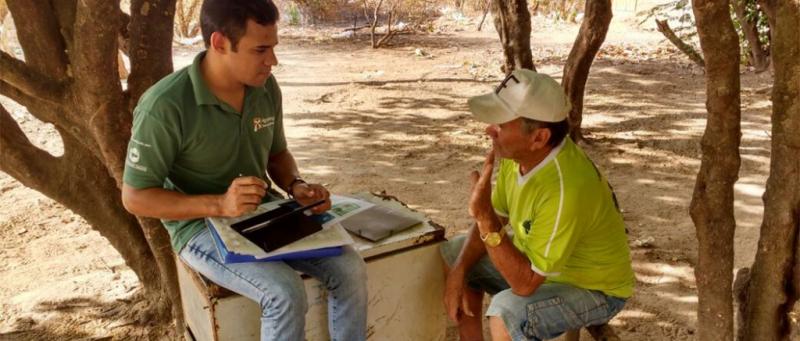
x: 524, y: 93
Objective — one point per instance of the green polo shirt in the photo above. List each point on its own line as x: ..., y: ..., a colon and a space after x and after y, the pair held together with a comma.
x: 565, y: 220
x: 186, y: 140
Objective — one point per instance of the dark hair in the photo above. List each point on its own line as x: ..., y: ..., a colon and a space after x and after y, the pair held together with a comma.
x: 229, y: 17
x: 558, y: 130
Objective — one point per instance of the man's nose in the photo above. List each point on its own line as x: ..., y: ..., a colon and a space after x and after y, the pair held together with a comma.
x: 272, y: 59
x: 491, y: 130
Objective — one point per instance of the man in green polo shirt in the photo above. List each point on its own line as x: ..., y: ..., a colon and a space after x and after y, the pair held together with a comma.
x: 208, y: 141
x: 567, y: 264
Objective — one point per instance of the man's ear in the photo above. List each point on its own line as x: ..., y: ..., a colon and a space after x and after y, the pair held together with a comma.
x: 539, y: 138
x: 219, y: 42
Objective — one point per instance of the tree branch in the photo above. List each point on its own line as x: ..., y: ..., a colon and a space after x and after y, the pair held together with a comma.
x: 16, y: 95
x: 95, y: 60
x: 42, y: 42
x: 65, y: 12
x: 687, y: 49
x: 151, y: 29
x: 18, y: 156
x: 17, y: 74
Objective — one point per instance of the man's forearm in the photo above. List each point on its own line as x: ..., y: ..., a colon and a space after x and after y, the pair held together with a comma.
x: 165, y: 204
x: 471, y: 252
x: 512, y: 264
x: 282, y: 169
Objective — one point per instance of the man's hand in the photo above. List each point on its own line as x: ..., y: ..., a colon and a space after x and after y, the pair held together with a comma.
x: 480, y: 202
x: 454, y: 299
x: 243, y: 196
x: 307, y: 194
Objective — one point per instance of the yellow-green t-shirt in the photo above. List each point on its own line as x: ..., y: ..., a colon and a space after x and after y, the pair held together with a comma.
x: 566, y: 221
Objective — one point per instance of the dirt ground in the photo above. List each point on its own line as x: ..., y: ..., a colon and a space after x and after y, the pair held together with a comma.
x: 396, y: 119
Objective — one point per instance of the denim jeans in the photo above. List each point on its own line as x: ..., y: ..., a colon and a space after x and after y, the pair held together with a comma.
x: 551, y: 310
x: 279, y: 290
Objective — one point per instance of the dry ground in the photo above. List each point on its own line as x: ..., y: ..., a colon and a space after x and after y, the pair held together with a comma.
x: 393, y: 119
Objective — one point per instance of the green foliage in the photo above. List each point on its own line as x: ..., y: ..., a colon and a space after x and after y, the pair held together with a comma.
x: 294, y: 15
x: 752, y: 13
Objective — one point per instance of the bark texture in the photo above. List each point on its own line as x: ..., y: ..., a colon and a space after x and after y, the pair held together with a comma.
x: 775, y: 280
x: 712, y: 203
x: 576, y: 71
x: 74, y: 84
x: 513, y: 23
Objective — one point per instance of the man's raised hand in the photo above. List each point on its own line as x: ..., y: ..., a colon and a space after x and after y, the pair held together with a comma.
x: 243, y: 196
x: 480, y: 201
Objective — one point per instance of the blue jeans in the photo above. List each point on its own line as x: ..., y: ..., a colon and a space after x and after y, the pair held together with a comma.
x: 551, y: 310
x: 279, y: 290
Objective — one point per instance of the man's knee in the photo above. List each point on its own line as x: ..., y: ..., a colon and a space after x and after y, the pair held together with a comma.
x: 498, y: 329
x: 353, y: 273
x: 450, y: 249
x: 284, y: 298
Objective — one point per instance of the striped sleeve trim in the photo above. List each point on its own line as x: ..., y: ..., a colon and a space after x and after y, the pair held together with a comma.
x: 560, y: 206
x: 545, y: 274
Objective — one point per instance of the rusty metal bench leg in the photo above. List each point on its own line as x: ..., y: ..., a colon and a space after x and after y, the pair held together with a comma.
x: 572, y: 335
x: 601, y: 332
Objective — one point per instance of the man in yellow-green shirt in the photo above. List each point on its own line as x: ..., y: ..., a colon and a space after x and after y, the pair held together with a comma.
x: 566, y: 263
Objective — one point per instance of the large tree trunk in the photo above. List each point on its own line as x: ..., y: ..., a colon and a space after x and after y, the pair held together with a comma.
x: 513, y: 23
x: 712, y: 202
x: 775, y: 282
x: 73, y: 84
x: 576, y: 71
x: 758, y: 57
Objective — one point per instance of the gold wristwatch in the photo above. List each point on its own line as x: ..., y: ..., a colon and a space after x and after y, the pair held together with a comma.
x: 493, y: 239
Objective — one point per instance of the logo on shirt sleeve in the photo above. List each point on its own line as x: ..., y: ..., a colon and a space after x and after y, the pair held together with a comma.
x: 527, y: 226
x: 133, y: 155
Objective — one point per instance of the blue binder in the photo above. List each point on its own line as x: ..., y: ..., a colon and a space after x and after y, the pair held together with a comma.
x: 229, y: 257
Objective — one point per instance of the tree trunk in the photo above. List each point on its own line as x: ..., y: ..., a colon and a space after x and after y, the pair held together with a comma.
x: 712, y: 203
x: 513, y: 23
x: 486, y: 8
x: 389, y: 33
x: 73, y: 84
x: 374, y: 22
x: 576, y: 71
x: 758, y: 57
x: 775, y: 282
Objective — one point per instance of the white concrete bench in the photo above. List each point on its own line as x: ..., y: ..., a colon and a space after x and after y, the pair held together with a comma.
x: 405, y: 285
